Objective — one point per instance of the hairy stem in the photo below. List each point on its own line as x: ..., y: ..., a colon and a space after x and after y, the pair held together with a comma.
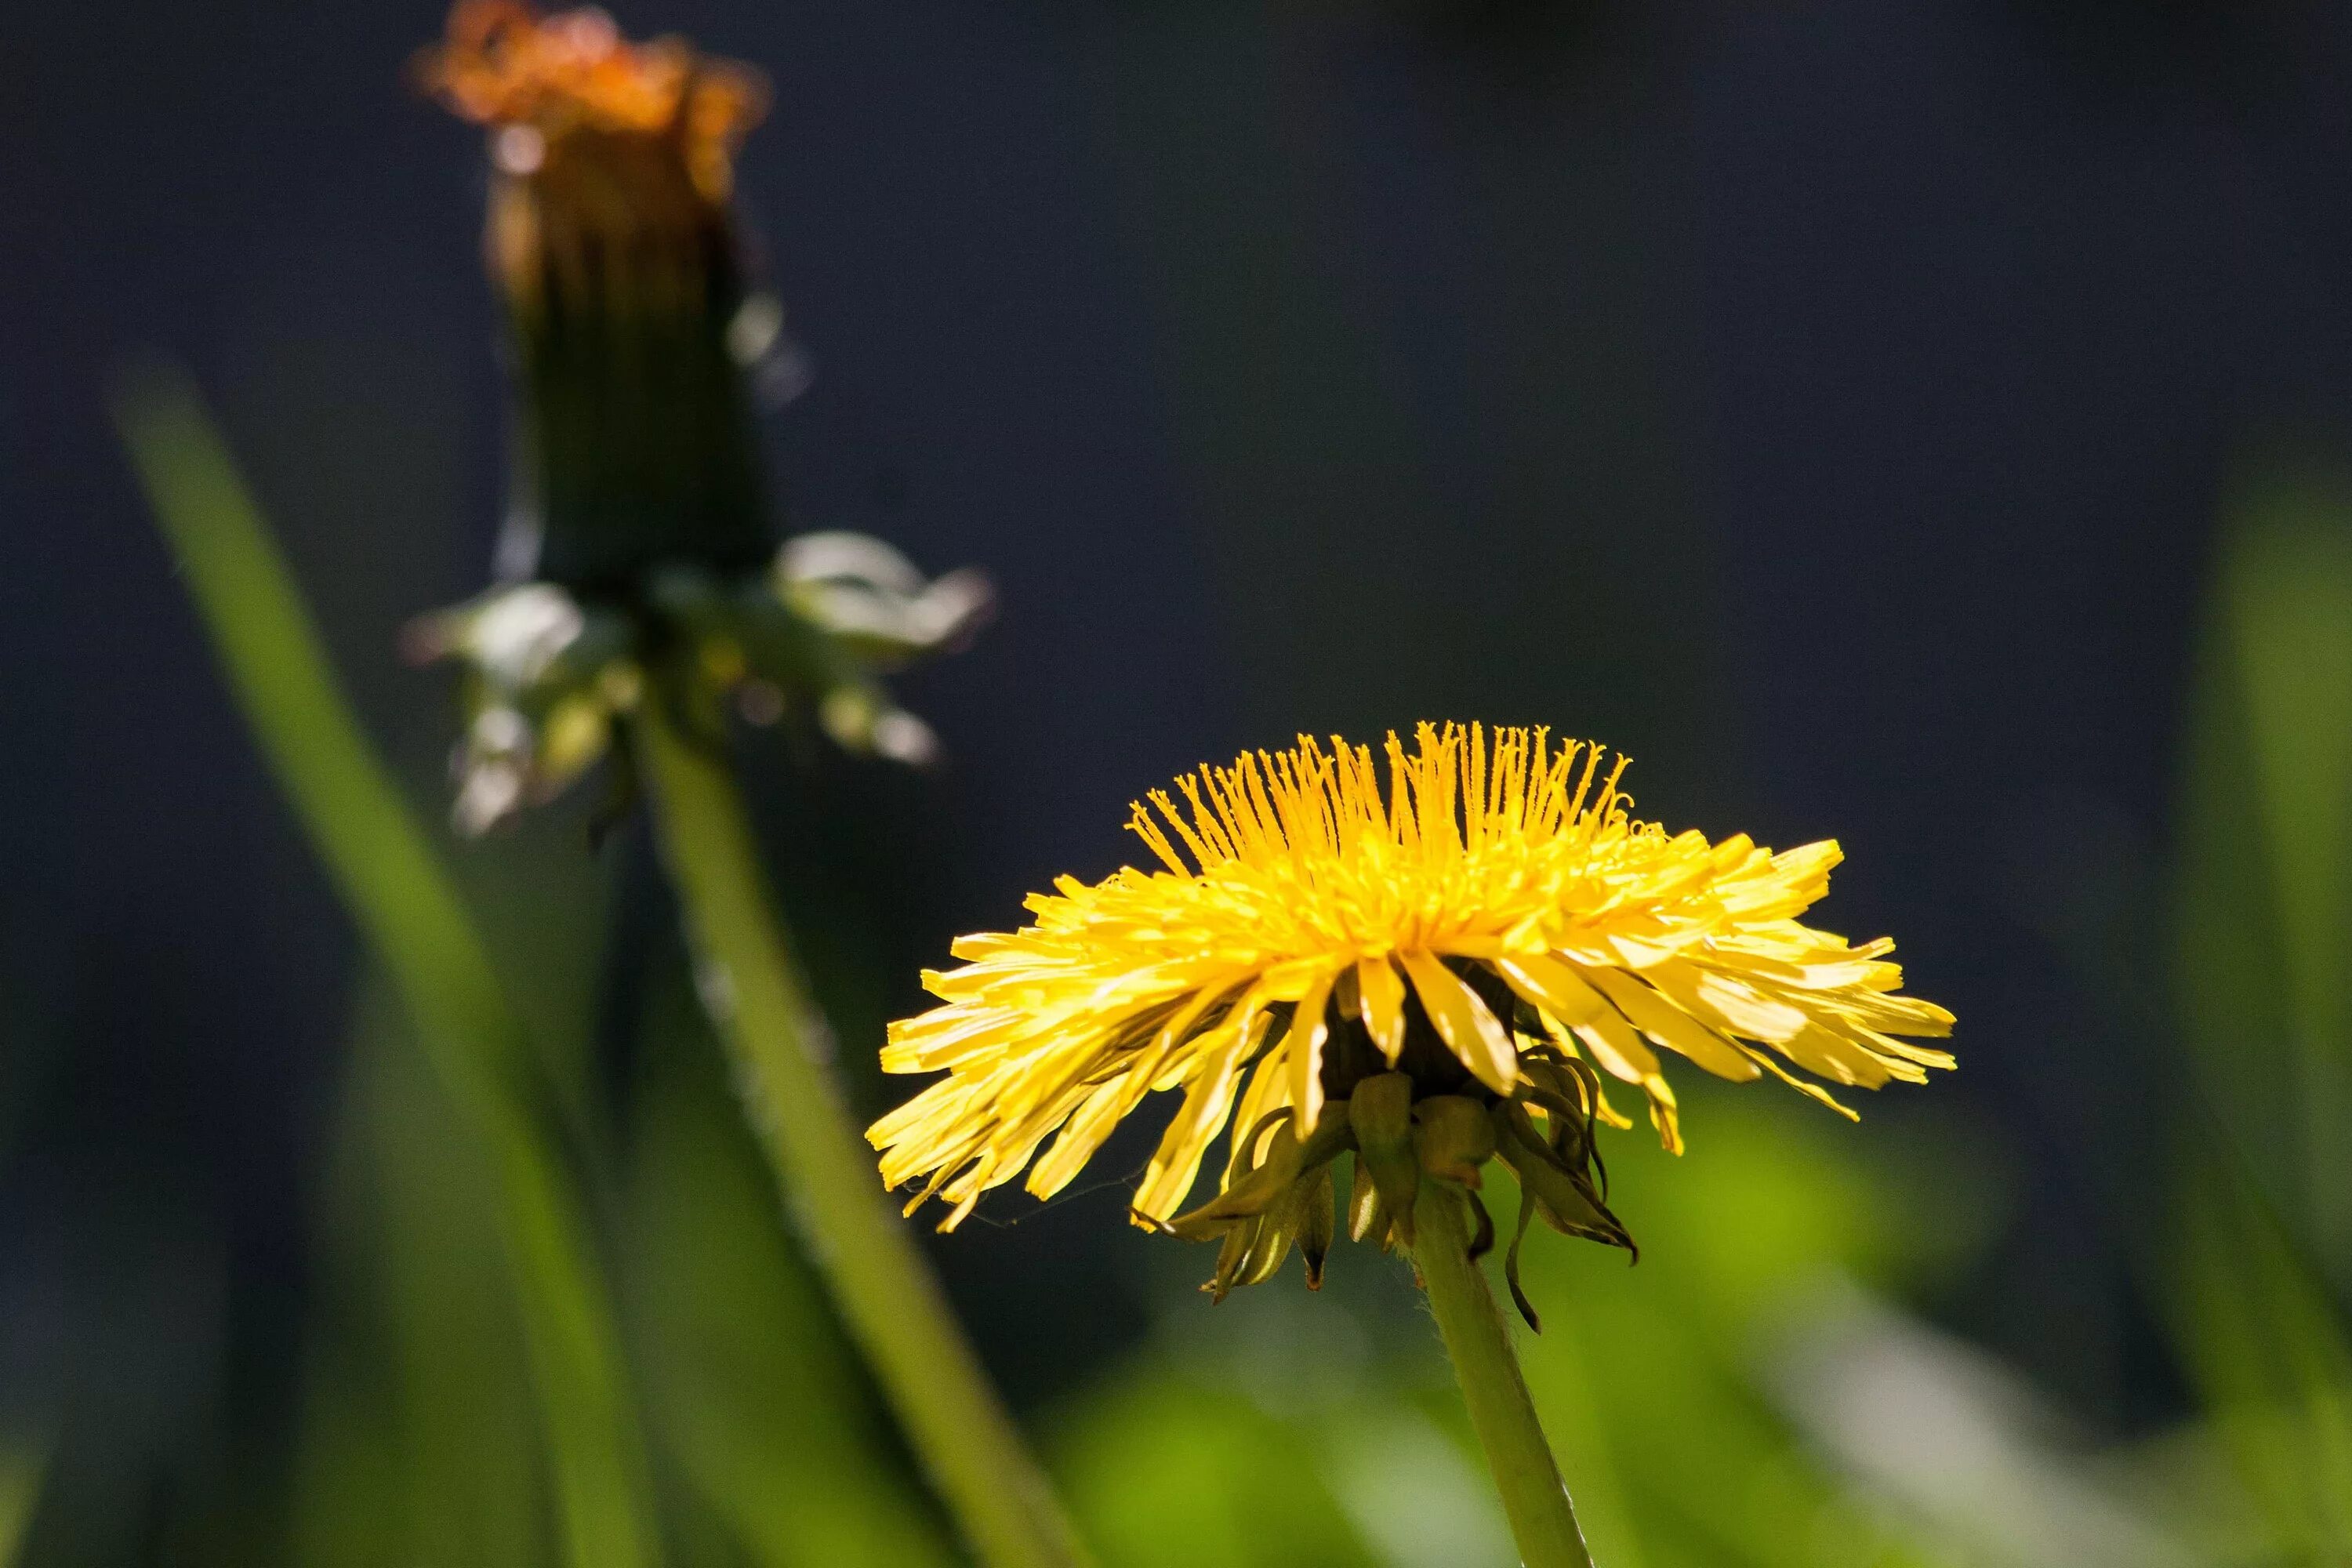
x: 782, y: 1050
x: 1543, y: 1522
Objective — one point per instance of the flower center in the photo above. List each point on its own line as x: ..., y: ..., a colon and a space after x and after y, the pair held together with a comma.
x: 1349, y: 1057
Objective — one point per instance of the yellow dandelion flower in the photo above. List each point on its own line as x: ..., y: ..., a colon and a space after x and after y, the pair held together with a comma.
x: 1421, y: 975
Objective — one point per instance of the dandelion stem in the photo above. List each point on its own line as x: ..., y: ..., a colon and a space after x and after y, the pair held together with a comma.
x: 888, y: 1298
x: 1543, y: 1522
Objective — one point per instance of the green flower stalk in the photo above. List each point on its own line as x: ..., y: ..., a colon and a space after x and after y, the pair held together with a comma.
x: 645, y: 589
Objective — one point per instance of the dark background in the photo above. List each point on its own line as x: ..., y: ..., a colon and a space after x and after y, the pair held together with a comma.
x: 1829, y: 404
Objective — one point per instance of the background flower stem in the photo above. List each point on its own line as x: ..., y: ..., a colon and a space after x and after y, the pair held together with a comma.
x: 1543, y: 1522
x: 886, y: 1293
x: 411, y: 914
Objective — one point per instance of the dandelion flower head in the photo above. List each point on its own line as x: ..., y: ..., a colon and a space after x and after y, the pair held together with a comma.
x: 1473, y: 943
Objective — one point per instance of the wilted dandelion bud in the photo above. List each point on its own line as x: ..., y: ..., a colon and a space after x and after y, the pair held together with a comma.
x: 1428, y: 978
x: 611, y: 241
x: 641, y: 545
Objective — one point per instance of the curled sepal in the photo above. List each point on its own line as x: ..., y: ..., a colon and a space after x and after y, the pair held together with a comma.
x: 1252, y: 1185
x: 1511, y: 1261
x: 1255, y: 1245
x: 1453, y: 1136
x: 1568, y: 1093
x: 1566, y: 1198
x: 1267, y: 1162
x: 545, y: 677
x: 1229, y: 1258
x: 1276, y: 1230
x: 1482, y: 1237
x: 1382, y: 1111
x: 873, y: 603
x: 1365, y: 1214
x: 1317, y: 1222
x: 750, y: 636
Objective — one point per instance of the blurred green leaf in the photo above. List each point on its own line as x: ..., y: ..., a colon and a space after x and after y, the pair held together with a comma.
x: 417, y: 1435
x: 1974, y: 1461
x: 407, y: 908
x: 2269, y: 1353
x: 2264, y: 934
x: 1167, y: 1469
x: 1281, y: 1427
x: 1647, y: 1376
x: 2264, y: 942
x: 24, y: 1462
x: 2287, y: 587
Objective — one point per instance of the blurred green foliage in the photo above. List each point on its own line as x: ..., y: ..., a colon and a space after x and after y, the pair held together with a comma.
x: 22, y: 1462
x: 418, y: 1441
x: 1323, y: 1430
x: 1751, y: 1395
x: 1765, y: 1215
x: 2265, y: 901
x: 2264, y: 944
x: 408, y: 907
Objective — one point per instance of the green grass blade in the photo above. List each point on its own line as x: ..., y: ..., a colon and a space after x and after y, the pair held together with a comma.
x: 2264, y: 1238
x: 384, y: 866
x: 2269, y: 1354
x: 24, y: 1462
x: 419, y: 1432
x: 2286, y: 605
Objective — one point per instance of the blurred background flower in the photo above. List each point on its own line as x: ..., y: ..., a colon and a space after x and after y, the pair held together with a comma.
x: 639, y: 542
x: 1648, y: 373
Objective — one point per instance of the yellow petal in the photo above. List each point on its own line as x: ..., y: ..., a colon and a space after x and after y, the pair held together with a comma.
x: 1812, y: 1091
x: 1093, y: 1123
x: 1825, y: 1051
x: 1664, y: 1115
x: 1177, y: 1163
x: 1266, y: 1088
x: 1308, y: 1028
x: 1671, y: 1027
x: 1728, y: 1004
x: 1551, y: 986
x: 1382, y: 996
x: 1611, y: 1039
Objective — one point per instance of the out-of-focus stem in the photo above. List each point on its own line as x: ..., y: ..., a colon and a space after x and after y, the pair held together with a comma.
x: 1543, y: 1522
x: 889, y: 1297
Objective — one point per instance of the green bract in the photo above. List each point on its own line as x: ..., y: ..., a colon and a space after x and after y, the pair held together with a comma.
x: 549, y: 673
